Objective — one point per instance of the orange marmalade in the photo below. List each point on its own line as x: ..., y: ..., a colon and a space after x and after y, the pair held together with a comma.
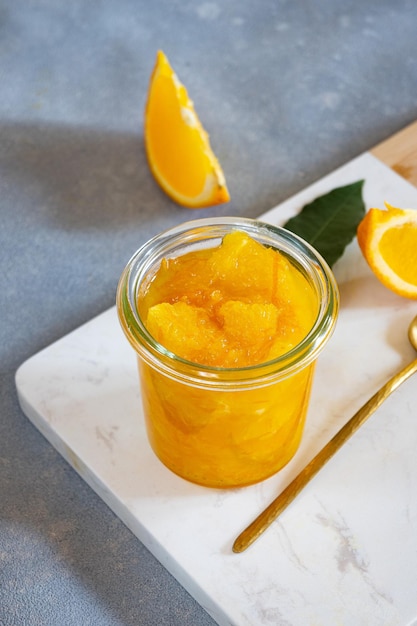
x: 228, y: 308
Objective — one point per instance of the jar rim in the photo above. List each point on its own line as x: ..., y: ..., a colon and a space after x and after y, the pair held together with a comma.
x: 203, y: 229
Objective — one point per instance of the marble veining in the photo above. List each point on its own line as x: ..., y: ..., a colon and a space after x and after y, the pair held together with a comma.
x: 345, y: 551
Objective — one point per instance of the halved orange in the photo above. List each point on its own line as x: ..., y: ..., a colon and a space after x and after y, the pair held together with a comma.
x: 388, y: 240
x: 177, y: 146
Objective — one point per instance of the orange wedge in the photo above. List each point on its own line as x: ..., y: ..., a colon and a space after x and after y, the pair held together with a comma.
x: 177, y: 146
x: 388, y: 240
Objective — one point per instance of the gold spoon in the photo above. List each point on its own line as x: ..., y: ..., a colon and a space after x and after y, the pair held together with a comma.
x: 265, y: 519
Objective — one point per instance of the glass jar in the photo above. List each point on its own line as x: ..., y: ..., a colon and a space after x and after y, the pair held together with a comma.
x: 225, y: 427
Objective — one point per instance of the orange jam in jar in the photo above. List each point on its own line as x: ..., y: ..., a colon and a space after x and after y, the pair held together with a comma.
x: 227, y: 317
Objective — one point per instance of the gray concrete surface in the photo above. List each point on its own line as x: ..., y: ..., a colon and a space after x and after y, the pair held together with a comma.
x: 288, y: 90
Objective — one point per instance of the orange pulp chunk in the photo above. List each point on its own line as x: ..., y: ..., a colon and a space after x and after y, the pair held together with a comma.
x: 236, y: 305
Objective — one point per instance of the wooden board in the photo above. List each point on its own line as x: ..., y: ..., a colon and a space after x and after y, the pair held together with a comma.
x: 399, y: 152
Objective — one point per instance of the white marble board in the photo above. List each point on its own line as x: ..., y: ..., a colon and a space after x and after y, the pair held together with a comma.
x: 345, y: 552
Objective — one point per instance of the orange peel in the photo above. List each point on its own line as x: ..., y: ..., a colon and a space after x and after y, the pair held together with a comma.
x: 177, y: 146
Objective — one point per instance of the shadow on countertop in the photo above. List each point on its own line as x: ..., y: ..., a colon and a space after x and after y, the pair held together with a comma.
x: 80, y: 178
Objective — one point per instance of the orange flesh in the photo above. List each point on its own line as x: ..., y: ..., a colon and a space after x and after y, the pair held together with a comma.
x: 388, y: 241
x: 398, y: 247
x: 189, y: 179
x: 239, y: 304
x: 177, y: 146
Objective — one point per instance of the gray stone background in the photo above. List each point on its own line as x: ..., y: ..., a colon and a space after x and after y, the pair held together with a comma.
x: 287, y: 89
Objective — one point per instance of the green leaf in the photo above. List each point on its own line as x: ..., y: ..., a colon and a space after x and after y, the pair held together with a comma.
x: 329, y: 223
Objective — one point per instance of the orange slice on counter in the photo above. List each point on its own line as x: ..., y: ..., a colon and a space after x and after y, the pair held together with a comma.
x: 388, y: 240
x: 177, y: 146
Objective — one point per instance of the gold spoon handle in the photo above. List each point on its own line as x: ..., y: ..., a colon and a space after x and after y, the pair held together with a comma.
x: 265, y: 519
